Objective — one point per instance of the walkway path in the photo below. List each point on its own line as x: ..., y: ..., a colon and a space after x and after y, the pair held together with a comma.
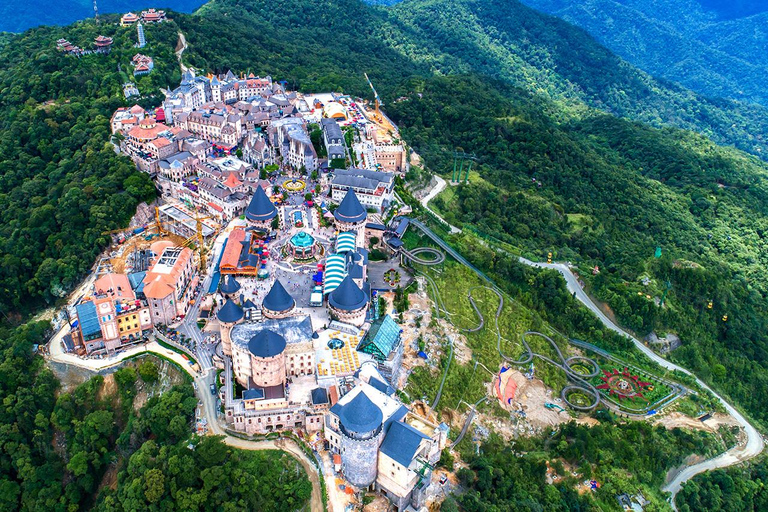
x: 180, y: 51
x: 441, y: 184
x: 739, y: 453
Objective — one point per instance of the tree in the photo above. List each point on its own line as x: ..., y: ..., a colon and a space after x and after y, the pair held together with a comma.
x: 148, y: 371
x: 154, y: 482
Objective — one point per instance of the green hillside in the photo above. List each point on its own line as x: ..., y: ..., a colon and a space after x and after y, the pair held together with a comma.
x: 532, y: 96
x: 684, y: 42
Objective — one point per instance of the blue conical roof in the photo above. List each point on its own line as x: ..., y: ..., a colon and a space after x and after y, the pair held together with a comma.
x: 278, y: 299
x: 229, y: 285
x: 361, y: 415
x: 266, y: 344
x: 230, y: 312
x: 348, y: 296
x: 261, y: 208
x: 350, y: 209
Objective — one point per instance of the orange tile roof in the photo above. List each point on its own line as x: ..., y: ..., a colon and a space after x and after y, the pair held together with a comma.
x: 233, y: 248
x: 232, y: 181
x: 160, y: 142
x: 117, y: 283
x: 160, y: 285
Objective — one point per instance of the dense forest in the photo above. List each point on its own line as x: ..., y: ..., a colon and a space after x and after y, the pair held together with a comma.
x: 62, y: 182
x: 504, y: 477
x: 739, y: 489
x: 58, y: 450
x: 716, y: 50
x: 500, y: 39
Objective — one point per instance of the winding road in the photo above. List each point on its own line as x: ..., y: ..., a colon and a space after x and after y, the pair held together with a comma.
x: 739, y: 453
x: 735, y: 455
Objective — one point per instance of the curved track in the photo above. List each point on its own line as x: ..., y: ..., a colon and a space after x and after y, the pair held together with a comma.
x: 565, y: 364
x: 414, y: 256
x: 438, y: 306
x: 468, y: 422
x: 740, y: 453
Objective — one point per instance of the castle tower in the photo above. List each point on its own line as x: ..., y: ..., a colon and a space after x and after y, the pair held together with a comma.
x: 229, y: 314
x: 215, y: 90
x: 229, y: 286
x: 261, y: 210
x: 348, y: 303
x: 278, y: 303
x: 267, y: 351
x: 361, y: 435
x: 351, y: 216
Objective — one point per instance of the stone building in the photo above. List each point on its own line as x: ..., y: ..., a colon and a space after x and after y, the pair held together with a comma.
x: 348, y: 303
x: 278, y: 303
x: 228, y: 315
x: 351, y: 216
x: 261, y: 210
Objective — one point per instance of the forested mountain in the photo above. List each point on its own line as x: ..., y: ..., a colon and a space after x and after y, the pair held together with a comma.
x: 532, y: 96
x: 19, y: 16
x: 715, y: 48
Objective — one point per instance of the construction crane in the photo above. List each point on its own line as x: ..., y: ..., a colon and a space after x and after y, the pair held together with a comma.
x: 378, y: 103
x: 198, y: 238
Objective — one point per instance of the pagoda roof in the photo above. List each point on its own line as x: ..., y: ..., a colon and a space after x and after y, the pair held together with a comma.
x: 266, y: 344
x: 230, y: 312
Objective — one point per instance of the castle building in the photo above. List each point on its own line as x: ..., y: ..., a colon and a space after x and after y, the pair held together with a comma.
x: 278, y: 303
x: 261, y: 210
x: 348, y: 303
x: 374, y: 189
x: 351, y: 216
x: 229, y: 286
x: 228, y: 315
x: 383, y: 445
x: 169, y: 284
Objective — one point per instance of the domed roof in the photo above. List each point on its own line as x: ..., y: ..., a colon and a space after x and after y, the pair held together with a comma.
x: 261, y: 208
x: 361, y: 415
x: 266, y: 344
x: 229, y: 285
x: 230, y: 312
x: 278, y: 299
x: 350, y: 209
x: 348, y: 296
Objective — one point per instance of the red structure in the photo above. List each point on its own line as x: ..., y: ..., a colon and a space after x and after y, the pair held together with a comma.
x: 103, y: 44
x: 623, y: 384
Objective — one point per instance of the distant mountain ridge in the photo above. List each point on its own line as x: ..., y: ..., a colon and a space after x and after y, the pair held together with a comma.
x: 19, y: 16
x: 710, y: 47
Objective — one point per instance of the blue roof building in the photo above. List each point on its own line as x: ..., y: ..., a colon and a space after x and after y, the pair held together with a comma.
x: 260, y: 208
x: 361, y: 416
x: 278, y: 301
x: 402, y: 443
x: 348, y: 296
x: 229, y: 285
x: 266, y: 344
x: 350, y: 210
x: 230, y: 312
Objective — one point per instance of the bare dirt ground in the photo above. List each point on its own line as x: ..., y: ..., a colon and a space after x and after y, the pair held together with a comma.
x: 380, y: 504
x: 677, y: 419
x: 530, y: 397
